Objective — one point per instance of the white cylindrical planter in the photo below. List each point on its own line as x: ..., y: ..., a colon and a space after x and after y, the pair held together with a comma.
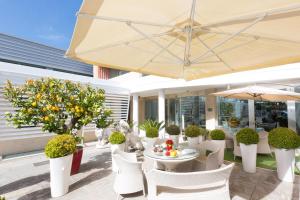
x: 285, y: 161
x: 150, y: 142
x: 193, y: 141
x: 221, y: 145
x: 114, y: 147
x: 175, y: 139
x: 249, y: 157
x: 60, y: 169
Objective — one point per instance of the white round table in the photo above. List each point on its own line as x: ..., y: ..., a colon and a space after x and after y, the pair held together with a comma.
x: 168, y: 162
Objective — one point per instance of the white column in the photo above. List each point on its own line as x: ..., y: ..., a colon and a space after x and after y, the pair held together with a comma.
x: 161, y: 111
x: 291, y: 109
x: 251, y: 113
x: 211, y: 111
x: 135, y: 113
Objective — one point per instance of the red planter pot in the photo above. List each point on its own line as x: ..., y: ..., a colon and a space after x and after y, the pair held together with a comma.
x: 77, y: 156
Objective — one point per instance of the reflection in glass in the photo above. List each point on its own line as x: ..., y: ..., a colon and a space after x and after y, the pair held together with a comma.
x: 151, y: 109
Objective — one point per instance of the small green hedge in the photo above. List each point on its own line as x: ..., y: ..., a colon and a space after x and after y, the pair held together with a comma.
x: 247, y: 136
x: 283, y: 138
x: 173, y: 130
x: 151, y: 132
x: 117, y: 138
x: 217, y: 134
x: 60, y: 146
x: 192, y: 131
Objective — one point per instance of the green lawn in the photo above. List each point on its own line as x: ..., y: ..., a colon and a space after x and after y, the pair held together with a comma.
x: 263, y: 161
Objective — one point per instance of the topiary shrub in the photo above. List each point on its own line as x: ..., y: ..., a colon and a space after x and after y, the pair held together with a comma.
x: 192, y: 131
x: 151, y: 132
x: 283, y: 138
x: 60, y: 146
x: 247, y: 136
x: 173, y: 130
x: 117, y: 138
x: 217, y: 134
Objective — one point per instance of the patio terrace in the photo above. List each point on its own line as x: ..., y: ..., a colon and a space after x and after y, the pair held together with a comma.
x: 27, y: 178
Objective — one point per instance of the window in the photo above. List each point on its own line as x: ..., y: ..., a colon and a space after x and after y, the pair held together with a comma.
x: 151, y: 109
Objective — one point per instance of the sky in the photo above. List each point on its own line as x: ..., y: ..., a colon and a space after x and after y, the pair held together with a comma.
x: 49, y: 22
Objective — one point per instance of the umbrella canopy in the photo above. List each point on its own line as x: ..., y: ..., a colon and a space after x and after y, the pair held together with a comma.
x: 187, y: 39
x: 259, y: 93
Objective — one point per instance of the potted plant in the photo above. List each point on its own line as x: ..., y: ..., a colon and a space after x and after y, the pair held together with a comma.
x: 174, y: 131
x: 58, y: 106
x: 248, y: 139
x: 218, y: 138
x: 60, y: 151
x: 151, y: 129
x: 203, y: 133
x: 117, y: 141
x: 102, y: 124
x: 285, y: 141
x: 192, y: 132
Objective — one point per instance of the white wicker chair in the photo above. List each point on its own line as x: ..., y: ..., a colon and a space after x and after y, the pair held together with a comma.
x: 263, y: 146
x: 129, y: 178
x: 213, y: 184
x: 210, y: 162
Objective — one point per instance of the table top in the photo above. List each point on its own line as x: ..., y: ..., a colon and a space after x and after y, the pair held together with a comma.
x: 180, y: 158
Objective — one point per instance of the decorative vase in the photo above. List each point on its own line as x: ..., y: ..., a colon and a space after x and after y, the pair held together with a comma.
x: 60, y: 169
x: 249, y: 153
x: 76, y: 161
x: 193, y: 141
x: 175, y: 139
x: 285, y: 161
x: 221, y: 145
x: 101, y: 137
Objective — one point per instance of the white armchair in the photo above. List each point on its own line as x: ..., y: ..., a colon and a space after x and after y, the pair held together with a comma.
x: 210, y: 162
x: 129, y: 177
x: 263, y: 146
x: 213, y: 184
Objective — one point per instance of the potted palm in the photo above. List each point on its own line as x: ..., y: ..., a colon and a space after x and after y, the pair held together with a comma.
x: 60, y: 151
x: 174, y: 131
x: 192, y: 132
x: 102, y: 124
x: 218, y: 138
x: 248, y: 139
x: 285, y: 141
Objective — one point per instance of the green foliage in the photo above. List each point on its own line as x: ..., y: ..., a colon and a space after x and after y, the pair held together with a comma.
x: 192, y: 131
x: 284, y: 138
x: 152, y: 132
x: 203, y: 131
x: 103, y: 121
x: 247, y: 136
x: 60, y: 146
x: 173, y: 129
x: 59, y: 106
x: 2, y: 198
x: 151, y: 123
x: 234, y: 122
x: 117, y: 138
x: 217, y: 134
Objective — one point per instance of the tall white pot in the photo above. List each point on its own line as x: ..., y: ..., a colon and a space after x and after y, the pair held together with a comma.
x: 175, y: 139
x: 60, y: 169
x: 193, y: 141
x: 114, y: 147
x: 285, y: 161
x: 221, y: 145
x: 249, y: 153
x: 150, y: 142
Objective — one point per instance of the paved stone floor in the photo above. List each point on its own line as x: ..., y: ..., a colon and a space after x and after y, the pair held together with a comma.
x: 27, y: 178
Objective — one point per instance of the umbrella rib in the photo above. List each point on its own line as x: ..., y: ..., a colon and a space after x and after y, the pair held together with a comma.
x: 212, y: 51
x: 153, y: 41
x: 105, y: 18
x: 230, y: 37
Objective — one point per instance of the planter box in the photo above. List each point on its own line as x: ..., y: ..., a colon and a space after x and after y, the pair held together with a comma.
x: 285, y: 161
x: 60, y: 169
x: 249, y: 153
x: 150, y: 142
x: 193, y: 141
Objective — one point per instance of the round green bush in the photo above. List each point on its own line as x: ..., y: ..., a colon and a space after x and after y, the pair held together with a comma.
x: 173, y: 130
x: 247, y: 136
x: 117, y: 138
x: 217, y: 134
x: 283, y: 138
x: 60, y: 146
x: 193, y: 131
x: 151, y: 132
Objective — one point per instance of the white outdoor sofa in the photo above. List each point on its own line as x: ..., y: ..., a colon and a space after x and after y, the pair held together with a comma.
x: 213, y: 184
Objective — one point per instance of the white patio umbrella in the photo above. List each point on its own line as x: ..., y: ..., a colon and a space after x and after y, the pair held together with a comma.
x: 259, y: 93
x: 187, y: 39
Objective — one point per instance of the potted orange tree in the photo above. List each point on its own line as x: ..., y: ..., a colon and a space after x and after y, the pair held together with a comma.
x: 57, y: 106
